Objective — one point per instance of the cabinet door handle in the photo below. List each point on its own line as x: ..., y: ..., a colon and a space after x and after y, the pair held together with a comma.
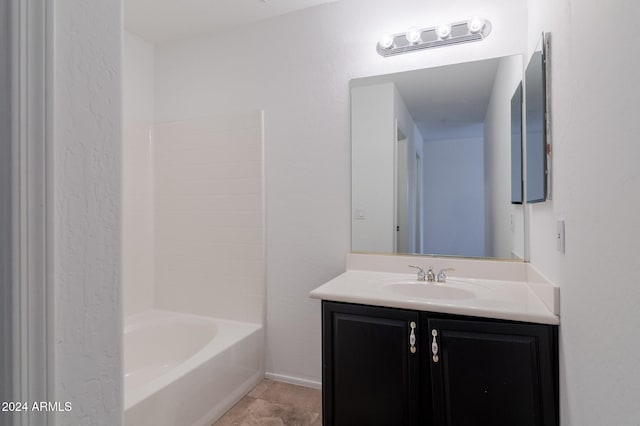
x: 434, y: 345
x: 412, y: 337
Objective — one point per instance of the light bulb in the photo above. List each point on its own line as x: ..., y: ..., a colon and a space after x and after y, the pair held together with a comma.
x: 386, y: 41
x: 475, y: 25
x: 413, y: 35
x: 443, y: 31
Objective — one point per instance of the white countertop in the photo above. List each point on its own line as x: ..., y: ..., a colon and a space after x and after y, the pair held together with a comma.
x: 499, y: 299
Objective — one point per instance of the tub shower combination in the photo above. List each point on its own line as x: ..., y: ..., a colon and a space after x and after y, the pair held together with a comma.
x: 200, y: 348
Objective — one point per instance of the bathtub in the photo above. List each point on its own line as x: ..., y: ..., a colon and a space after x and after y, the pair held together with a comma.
x: 187, y: 370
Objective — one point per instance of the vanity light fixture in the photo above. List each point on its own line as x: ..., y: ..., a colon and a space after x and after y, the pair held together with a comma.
x: 475, y: 29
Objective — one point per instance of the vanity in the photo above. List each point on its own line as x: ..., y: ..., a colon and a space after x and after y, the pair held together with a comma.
x: 438, y: 186
x: 469, y: 351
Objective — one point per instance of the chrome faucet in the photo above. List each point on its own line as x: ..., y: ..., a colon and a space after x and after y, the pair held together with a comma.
x: 442, y: 276
x: 429, y: 275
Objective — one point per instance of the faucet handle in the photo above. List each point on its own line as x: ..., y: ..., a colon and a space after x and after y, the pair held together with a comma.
x: 421, y: 273
x: 431, y: 276
x: 442, y: 276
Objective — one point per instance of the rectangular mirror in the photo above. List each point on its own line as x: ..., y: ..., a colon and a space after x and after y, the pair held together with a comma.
x: 536, y: 141
x: 431, y: 161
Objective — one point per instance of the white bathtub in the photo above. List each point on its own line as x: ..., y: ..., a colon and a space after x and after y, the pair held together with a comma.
x: 186, y: 370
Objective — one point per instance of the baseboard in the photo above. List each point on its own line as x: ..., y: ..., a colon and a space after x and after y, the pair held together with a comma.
x: 294, y: 380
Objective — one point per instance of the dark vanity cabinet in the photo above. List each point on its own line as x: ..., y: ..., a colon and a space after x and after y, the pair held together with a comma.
x: 491, y: 373
x: 370, y: 373
x: 459, y: 371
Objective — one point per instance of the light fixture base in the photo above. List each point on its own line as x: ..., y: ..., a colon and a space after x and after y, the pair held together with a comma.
x: 460, y: 33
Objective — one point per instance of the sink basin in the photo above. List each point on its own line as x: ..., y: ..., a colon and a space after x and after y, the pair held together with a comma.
x: 429, y: 291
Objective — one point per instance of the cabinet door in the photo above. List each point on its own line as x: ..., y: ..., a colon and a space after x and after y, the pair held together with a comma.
x: 370, y: 375
x: 492, y: 373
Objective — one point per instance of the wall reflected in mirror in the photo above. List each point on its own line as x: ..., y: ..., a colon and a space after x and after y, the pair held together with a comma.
x: 431, y: 161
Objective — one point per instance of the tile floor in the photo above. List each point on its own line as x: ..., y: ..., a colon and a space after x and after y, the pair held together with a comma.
x: 273, y: 403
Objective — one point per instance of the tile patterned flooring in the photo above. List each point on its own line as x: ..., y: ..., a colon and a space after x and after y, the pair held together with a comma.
x: 273, y: 403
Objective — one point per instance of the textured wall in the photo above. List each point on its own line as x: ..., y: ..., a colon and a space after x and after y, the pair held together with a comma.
x: 137, y: 175
x: 297, y: 68
x: 595, y: 110
x: 87, y: 203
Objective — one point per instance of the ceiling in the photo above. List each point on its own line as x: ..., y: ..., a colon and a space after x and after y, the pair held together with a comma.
x: 445, y: 102
x: 165, y: 20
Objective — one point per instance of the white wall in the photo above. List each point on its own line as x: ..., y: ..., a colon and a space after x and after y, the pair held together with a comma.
x: 297, y: 68
x: 86, y: 211
x: 209, y: 214
x: 415, y: 146
x: 502, y: 238
x: 137, y: 174
x: 595, y: 110
x: 373, y: 173
x: 454, y: 212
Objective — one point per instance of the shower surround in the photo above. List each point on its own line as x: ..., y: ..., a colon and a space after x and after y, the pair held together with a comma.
x: 208, y: 259
x: 209, y: 217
